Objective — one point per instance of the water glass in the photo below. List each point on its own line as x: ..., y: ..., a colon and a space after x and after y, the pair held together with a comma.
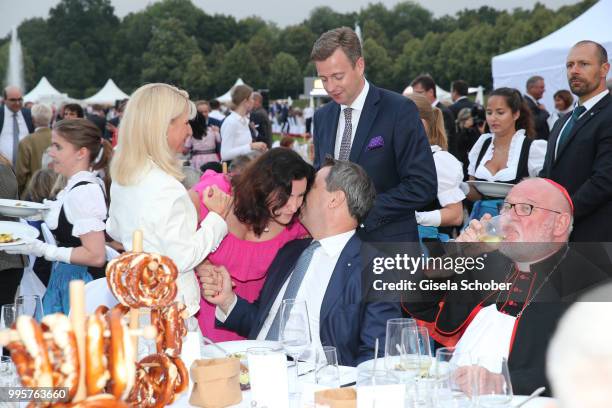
x: 7, y: 316
x: 454, y: 374
x: 399, y: 345
x: 368, y: 377
x: 294, y: 332
x: 327, y: 371
x: 8, y: 373
x: 493, y: 387
x: 29, y: 305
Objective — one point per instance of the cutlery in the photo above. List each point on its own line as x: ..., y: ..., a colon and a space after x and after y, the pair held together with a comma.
x: 533, y: 395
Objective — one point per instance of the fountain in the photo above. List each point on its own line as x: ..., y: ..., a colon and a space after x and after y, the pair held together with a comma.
x: 14, y: 74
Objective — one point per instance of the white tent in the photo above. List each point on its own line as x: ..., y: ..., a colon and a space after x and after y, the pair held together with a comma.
x: 226, y: 98
x: 445, y: 96
x: 44, y: 92
x: 546, y: 57
x: 107, y: 95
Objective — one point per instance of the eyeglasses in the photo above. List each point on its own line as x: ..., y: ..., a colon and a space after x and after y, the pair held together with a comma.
x: 522, y: 209
x: 15, y: 99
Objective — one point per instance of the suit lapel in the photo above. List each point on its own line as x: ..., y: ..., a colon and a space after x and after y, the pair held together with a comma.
x: 276, y: 280
x: 345, y: 267
x: 591, y: 113
x: 366, y: 120
x: 331, y: 140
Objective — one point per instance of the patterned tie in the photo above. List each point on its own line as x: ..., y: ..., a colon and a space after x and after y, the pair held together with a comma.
x: 345, y: 144
x: 294, y: 284
x: 567, y: 130
x: 15, y: 138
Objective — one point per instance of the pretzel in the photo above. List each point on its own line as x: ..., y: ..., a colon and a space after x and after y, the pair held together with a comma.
x: 29, y: 354
x: 182, y: 381
x: 142, y: 279
x: 121, y: 357
x: 62, y: 352
x: 96, y: 349
x: 170, y: 328
x: 156, y: 379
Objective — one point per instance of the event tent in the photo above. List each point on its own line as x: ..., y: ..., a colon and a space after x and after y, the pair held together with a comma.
x: 107, y: 95
x: 46, y: 93
x: 546, y: 57
x: 227, y: 97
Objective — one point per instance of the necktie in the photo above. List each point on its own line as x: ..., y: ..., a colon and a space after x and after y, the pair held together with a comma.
x: 567, y: 130
x: 297, y: 276
x: 15, y: 138
x: 345, y: 144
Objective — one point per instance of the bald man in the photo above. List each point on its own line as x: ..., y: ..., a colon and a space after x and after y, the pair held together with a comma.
x: 541, y: 278
x: 15, y: 122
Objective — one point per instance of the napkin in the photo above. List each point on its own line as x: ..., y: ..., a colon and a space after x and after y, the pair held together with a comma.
x: 337, y: 398
x: 216, y: 383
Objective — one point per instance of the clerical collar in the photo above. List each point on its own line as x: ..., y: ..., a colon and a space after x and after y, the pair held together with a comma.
x: 526, y: 266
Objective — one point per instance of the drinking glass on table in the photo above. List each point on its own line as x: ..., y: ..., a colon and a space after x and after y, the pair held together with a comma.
x: 7, y: 316
x: 493, y: 387
x: 8, y: 373
x: 29, y: 305
x: 400, y: 348
x: 327, y: 371
x: 294, y: 332
x: 455, y: 378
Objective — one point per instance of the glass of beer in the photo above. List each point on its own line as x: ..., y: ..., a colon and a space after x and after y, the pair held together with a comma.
x: 492, y: 230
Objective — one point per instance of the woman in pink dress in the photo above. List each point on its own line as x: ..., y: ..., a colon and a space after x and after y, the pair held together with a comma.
x: 266, y: 198
x: 201, y: 145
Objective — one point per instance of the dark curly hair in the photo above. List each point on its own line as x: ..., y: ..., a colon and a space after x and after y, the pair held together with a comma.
x: 265, y: 186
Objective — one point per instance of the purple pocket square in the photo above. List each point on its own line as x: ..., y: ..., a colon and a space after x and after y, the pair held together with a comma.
x: 376, y: 142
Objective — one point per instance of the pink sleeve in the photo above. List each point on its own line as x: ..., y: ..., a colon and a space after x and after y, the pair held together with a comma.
x: 211, y: 178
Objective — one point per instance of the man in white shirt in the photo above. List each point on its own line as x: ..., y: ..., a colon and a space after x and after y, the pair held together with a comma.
x: 579, y: 154
x: 326, y: 273
x: 15, y: 123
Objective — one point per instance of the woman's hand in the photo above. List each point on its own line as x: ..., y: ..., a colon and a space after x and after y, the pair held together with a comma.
x: 216, y: 200
x: 261, y: 146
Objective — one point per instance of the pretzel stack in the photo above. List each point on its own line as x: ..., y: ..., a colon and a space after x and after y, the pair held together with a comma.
x: 148, y: 280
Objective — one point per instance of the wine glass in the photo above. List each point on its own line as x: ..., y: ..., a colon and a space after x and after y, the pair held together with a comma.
x: 294, y: 332
x: 400, y: 347
x: 29, y: 305
x: 7, y: 316
x: 493, y: 232
x: 493, y: 387
x: 453, y: 371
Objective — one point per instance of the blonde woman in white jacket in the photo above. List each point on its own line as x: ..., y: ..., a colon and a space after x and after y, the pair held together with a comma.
x: 147, y: 193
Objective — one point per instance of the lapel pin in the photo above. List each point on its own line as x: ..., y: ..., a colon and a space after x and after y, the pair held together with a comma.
x: 348, y: 264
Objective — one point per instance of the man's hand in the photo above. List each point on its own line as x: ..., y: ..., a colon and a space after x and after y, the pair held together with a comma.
x: 474, y: 230
x: 216, y: 200
x: 261, y: 146
x: 476, y: 379
x: 216, y: 285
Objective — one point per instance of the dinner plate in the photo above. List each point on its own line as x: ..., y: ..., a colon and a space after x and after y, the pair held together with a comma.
x: 491, y: 189
x: 380, y: 364
x: 540, y: 402
x: 20, y: 208
x: 237, y: 346
x: 21, y: 232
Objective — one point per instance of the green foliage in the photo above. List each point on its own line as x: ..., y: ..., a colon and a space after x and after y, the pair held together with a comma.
x: 82, y: 43
x: 285, y: 75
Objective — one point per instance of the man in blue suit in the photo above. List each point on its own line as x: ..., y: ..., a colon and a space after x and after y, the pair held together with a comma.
x: 326, y: 272
x: 378, y: 129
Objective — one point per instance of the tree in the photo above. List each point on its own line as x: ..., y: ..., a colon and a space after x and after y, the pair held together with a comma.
x: 297, y: 41
x: 196, y: 78
x: 379, y: 67
x: 239, y: 62
x: 169, y: 54
x: 73, y: 70
x: 285, y: 75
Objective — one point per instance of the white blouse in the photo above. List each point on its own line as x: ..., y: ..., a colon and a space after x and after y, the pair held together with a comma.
x: 450, y: 176
x: 535, y: 160
x: 84, y: 206
x: 236, y: 137
x: 159, y: 205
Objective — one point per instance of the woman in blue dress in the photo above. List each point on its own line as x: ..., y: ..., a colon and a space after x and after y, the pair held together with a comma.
x: 77, y: 216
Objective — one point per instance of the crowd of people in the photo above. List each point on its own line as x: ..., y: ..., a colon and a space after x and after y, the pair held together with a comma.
x: 278, y: 225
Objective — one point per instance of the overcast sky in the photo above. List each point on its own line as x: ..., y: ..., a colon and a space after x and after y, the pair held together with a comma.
x: 282, y: 12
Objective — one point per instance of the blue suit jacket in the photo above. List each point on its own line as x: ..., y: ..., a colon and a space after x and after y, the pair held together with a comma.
x: 346, y: 321
x: 401, y: 167
x: 27, y: 116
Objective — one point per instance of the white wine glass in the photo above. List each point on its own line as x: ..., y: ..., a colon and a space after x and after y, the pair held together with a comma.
x: 294, y: 332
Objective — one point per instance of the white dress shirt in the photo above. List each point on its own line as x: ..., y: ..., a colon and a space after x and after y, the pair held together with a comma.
x: 535, y: 160
x: 6, y: 136
x: 357, y: 108
x: 588, y: 105
x: 312, y: 289
x: 236, y: 136
x: 84, y: 206
x: 160, y: 207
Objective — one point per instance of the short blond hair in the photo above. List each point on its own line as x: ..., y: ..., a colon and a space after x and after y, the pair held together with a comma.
x: 143, y: 132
